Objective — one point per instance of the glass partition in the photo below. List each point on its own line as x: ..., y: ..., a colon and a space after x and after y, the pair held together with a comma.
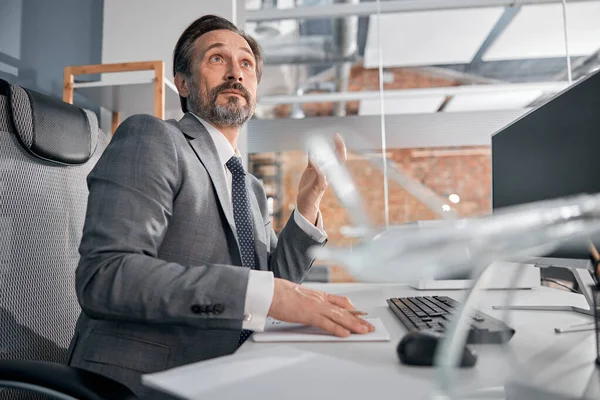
x: 421, y: 86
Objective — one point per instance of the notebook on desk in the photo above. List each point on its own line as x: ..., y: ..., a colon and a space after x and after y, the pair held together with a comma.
x: 277, y: 331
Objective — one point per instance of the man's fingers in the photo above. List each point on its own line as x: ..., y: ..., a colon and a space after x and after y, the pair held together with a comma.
x: 347, y: 320
x: 328, y: 325
x: 345, y: 303
x: 366, y: 323
x: 322, y: 179
x: 310, y: 161
x: 340, y: 301
x: 340, y: 148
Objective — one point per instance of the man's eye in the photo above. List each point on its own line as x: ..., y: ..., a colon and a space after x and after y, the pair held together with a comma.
x: 216, y: 58
x: 247, y: 64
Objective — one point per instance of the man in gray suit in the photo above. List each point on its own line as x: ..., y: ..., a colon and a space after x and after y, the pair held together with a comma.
x: 179, y: 262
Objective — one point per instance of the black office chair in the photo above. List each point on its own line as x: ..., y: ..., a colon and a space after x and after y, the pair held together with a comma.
x: 47, y: 149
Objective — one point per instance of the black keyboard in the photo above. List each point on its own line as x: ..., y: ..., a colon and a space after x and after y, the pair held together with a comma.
x: 434, y: 312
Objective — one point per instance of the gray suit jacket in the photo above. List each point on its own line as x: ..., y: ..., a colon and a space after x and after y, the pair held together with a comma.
x: 159, y: 280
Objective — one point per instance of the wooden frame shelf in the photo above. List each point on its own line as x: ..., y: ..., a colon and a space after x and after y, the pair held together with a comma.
x: 129, y: 95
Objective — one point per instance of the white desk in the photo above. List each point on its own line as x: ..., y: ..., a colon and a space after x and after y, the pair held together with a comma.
x: 562, y: 363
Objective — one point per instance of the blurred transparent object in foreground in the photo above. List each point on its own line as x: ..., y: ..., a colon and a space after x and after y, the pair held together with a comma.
x: 407, y: 253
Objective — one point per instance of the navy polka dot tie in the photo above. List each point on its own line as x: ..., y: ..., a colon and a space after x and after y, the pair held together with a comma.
x: 243, y: 219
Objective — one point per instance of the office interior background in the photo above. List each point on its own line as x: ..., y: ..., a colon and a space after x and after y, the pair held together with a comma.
x: 423, y: 84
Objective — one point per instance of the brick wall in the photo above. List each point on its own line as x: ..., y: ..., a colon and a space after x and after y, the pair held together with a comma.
x: 465, y: 171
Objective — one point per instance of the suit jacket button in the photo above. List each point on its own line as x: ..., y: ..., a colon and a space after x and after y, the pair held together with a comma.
x: 196, y: 309
x: 218, y: 308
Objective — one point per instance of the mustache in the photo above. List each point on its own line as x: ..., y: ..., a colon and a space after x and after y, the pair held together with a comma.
x: 231, y: 86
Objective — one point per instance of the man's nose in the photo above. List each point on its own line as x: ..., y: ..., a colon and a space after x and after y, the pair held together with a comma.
x: 235, y: 75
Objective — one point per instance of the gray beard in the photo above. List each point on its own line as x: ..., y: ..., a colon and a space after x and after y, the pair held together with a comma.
x: 232, y: 114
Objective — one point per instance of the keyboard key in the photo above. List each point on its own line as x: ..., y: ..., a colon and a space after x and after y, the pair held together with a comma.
x: 412, y: 307
x: 435, y: 306
x: 423, y: 306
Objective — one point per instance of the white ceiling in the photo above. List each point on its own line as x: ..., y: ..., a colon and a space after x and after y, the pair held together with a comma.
x: 429, y: 38
x: 405, y: 105
x: 492, y: 101
x: 454, y: 37
x: 537, y: 32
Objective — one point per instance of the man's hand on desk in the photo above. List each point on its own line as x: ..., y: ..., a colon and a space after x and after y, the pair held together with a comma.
x: 298, y: 304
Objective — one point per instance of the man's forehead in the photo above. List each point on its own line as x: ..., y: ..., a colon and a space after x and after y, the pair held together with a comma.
x: 221, y: 37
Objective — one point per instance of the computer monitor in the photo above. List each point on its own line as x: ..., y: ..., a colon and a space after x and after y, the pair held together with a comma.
x: 550, y: 152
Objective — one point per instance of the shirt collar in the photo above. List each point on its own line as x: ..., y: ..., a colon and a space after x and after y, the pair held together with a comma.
x: 224, y: 148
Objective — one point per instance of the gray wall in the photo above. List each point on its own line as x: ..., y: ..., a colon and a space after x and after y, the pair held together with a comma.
x: 53, y: 34
x: 10, y: 37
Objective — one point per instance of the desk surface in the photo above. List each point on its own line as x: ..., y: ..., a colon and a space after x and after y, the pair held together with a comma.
x: 560, y: 363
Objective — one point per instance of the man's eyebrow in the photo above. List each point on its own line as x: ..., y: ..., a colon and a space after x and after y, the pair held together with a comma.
x: 212, y: 46
x: 215, y: 45
x: 247, y: 51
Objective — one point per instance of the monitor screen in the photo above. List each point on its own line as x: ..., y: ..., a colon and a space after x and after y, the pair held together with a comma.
x: 552, y: 151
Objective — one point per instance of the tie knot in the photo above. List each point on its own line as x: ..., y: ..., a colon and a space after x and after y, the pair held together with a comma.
x: 235, y: 166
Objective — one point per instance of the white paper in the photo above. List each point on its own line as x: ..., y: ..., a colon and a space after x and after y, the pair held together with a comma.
x: 277, y: 331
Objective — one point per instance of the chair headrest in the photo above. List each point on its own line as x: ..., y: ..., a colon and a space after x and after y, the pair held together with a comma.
x: 50, y: 128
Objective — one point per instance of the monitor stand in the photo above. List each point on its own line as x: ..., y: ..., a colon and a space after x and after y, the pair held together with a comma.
x: 584, y: 280
x: 499, y: 276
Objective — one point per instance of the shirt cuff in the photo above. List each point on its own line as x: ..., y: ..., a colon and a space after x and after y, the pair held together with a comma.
x: 259, y: 295
x: 315, y: 232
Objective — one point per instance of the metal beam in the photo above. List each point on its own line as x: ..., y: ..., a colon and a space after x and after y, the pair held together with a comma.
x: 509, y: 14
x: 411, y: 93
x: 517, y: 71
x: 581, y: 67
x: 452, y: 74
x: 310, y: 59
x: 389, y: 6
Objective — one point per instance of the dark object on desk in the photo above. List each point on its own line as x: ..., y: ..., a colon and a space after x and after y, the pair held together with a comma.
x: 418, y: 348
x: 434, y: 313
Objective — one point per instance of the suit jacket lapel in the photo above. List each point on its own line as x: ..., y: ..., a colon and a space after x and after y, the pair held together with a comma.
x: 205, y: 149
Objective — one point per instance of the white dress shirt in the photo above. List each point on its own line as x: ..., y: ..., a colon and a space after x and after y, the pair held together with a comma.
x: 259, y: 293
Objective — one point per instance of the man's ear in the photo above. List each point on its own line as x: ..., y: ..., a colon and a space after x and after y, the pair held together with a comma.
x: 181, y: 82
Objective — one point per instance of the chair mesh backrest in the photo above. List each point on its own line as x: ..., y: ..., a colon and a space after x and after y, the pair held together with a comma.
x: 42, y: 212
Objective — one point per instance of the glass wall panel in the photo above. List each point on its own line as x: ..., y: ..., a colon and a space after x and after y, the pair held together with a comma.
x: 423, y: 89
